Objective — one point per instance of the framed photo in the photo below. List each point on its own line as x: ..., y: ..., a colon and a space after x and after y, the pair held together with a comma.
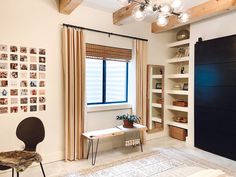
x: 14, y: 57
x: 42, y: 99
x: 3, y: 74
x: 3, y: 47
x: 3, y: 110
x: 23, y: 67
x: 42, y: 92
x: 24, y: 83
x: 42, y: 60
x: 14, y: 109
x: 23, y: 75
x: 23, y: 49
x: 33, y: 99
x: 24, y: 92
x: 42, y: 67
x: 23, y: 58
x: 13, y: 83
x: 13, y: 48
x: 33, y: 92
x: 42, y: 84
x: 33, y: 51
x: 33, y: 67
x: 33, y: 59
x: 14, y: 92
x: 13, y: 66
x: 3, y: 92
x: 33, y: 75
x: 23, y: 100
x: 14, y: 100
x: 3, y: 56
x: 3, y: 66
x: 14, y: 75
x: 42, y: 75
x: 33, y: 83
x: 33, y: 108
x: 42, y: 52
x: 42, y: 107
x: 3, y: 101
x: 3, y: 83
x: 24, y: 108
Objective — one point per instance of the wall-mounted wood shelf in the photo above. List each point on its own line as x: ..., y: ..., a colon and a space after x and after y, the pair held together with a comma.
x: 178, y: 60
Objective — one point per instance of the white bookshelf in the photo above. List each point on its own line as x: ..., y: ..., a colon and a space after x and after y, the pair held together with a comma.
x: 156, y: 90
x: 177, y: 108
x: 178, y: 76
x: 177, y: 124
x: 179, y: 43
x: 156, y: 105
x: 157, y: 119
x: 177, y: 92
x: 157, y: 76
x: 178, y: 60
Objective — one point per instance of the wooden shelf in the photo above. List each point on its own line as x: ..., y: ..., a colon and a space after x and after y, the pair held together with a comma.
x: 177, y: 108
x: 178, y: 76
x: 156, y: 90
x: 158, y: 76
x: 157, y: 119
x: 177, y: 124
x: 179, y: 43
x: 178, y: 60
x: 177, y: 92
x: 156, y: 105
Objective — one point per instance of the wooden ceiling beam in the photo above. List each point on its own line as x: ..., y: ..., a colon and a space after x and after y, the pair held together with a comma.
x: 68, y: 6
x: 203, y: 11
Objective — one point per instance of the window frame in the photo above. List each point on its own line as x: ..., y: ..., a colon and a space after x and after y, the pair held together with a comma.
x: 104, y: 68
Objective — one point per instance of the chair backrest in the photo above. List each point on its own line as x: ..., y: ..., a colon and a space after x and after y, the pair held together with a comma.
x: 31, y: 131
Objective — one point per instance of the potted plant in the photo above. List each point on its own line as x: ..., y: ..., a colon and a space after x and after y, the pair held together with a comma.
x: 129, y: 120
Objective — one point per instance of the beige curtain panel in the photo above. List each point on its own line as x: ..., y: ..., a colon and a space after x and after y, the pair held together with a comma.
x: 73, y: 52
x: 108, y: 53
x: 141, y: 78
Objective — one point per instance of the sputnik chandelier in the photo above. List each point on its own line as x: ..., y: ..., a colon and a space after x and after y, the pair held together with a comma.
x: 160, y: 9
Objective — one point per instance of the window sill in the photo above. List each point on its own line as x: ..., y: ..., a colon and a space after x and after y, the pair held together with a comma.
x: 109, y: 107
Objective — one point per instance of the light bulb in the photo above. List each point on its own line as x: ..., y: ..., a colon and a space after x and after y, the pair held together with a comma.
x: 123, y: 2
x: 165, y: 9
x: 138, y: 14
x: 183, y: 17
x: 177, y: 5
x: 149, y: 9
x: 162, y: 20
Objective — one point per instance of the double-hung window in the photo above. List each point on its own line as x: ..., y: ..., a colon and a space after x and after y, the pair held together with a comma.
x: 106, y: 78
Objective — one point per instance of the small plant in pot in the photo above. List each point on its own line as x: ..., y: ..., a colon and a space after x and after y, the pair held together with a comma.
x: 129, y: 120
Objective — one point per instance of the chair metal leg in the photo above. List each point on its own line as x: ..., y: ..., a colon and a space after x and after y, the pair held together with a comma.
x: 12, y: 172
x: 41, y: 165
x: 94, y: 154
x: 17, y: 174
x: 89, y: 147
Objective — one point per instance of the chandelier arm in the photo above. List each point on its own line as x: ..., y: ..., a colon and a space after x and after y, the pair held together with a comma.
x: 175, y: 13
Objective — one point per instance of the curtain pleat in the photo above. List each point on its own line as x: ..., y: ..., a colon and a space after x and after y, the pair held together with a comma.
x: 73, y: 55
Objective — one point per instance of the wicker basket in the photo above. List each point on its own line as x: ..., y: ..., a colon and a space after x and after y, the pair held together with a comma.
x: 177, y: 133
x: 180, y: 103
x: 180, y: 119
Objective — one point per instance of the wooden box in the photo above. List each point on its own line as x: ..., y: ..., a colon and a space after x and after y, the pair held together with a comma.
x: 180, y: 103
x: 177, y: 133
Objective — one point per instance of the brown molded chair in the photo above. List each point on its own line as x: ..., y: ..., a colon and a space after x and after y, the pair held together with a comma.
x: 31, y: 131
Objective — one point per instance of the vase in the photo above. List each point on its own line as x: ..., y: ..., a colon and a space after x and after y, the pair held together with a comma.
x: 128, y: 124
x: 182, y: 35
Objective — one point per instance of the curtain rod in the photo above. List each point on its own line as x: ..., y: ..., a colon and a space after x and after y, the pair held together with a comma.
x: 104, y: 32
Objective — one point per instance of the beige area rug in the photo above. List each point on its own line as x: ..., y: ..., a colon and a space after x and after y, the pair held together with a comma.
x: 163, y: 163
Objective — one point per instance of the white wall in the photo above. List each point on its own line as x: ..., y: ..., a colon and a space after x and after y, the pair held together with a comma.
x: 208, y: 29
x: 37, y: 23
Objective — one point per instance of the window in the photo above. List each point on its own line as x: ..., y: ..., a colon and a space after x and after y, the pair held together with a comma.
x: 106, y: 81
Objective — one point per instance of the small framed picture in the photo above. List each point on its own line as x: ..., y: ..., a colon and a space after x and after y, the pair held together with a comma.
x: 14, y: 92
x: 23, y: 67
x: 14, y: 100
x: 42, y: 107
x: 3, y: 56
x: 23, y: 58
x: 3, y: 92
x: 3, y: 74
x: 13, y: 83
x: 33, y: 67
x: 33, y: 59
x: 23, y: 83
x: 3, y: 110
x: 42, y: 60
x: 3, y: 66
x: 42, y: 75
x: 14, y: 109
x: 33, y: 51
x: 14, y: 66
x: 13, y: 48
x: 14, y: 75
x: 24, y: 100
x: 23, y: 49
x: 24, y: 92
x: 3, y: 101
x: 33, y: 75
x: 23, y: 75
x: 24, y: 108
x: 33, y: 92
x: 42, y: 92
x: 3, y: 47
x: 42, y: 99
x: 33, y: 99
x: 33, y: 83
x: 33, y: 108
x: 42, y: 52
x: 42, y: 67
x: 3, y: 83
x: 42, y: 84
x: 14, y: 57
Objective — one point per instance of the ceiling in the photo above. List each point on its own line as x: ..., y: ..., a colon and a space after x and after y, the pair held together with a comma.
x: 112, y: 5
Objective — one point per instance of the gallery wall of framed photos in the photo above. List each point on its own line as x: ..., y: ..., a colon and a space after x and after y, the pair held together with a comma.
x: 22, y: 79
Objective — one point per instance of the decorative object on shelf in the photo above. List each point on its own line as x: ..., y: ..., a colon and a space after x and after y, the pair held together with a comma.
x: 161, y: 71
x: 182, y: 35
x: 180, y: 103
x: 161, y: 10
x: 177, y: 133
x: 185, y: 86
x: 159, y: 85
x: 180, y: 119
x: 182, y: 70
x: 177, y: 86
x: 129, y: 120
x: 181, y: 52
x: 160, y: 101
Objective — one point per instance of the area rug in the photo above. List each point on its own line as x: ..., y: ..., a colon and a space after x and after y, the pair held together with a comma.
x: 161, y: 163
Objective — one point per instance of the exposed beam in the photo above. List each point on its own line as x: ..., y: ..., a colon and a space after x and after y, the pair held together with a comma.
x: 123, y: 13
x: 203, y: 11
x: 67, y: 6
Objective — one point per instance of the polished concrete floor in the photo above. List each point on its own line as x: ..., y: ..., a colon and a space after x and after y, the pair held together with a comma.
x: 59, y: 168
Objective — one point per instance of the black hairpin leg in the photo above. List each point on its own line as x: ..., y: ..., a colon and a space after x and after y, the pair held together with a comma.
x: 17, y: 174
x: 94, y: 154
x: 89, y: 146
x: 41, y: 165
x: 12, y: 172
x: 141, y: 144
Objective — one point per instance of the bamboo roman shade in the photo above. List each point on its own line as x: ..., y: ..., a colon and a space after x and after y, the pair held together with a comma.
x: 108, y: 53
